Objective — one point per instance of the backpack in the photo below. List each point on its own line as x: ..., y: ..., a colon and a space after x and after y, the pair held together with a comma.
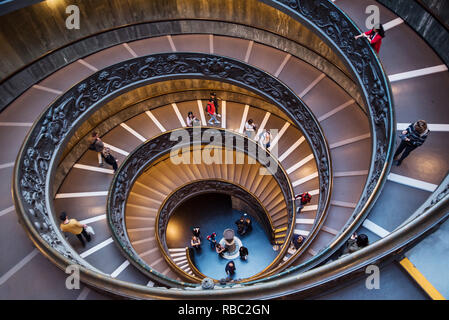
x: 305, y: 197
x: 208, y: 104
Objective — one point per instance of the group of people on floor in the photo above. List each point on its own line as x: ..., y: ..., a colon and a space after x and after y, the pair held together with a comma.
x: 244, y: 226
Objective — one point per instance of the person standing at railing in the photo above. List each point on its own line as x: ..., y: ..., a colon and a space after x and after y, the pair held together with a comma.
x: 411, y: 138
x: 265, y: 139
x: 374, y: 36
x: 212, y: 112
x: 250, y: 129
x: 74, y: 227
x: 195, y: 243
x: 355, y: 243
x: 191, y: 120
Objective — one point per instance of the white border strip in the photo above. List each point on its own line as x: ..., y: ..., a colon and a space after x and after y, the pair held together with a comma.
x: 343, y: 204
x: 313, y: 84
x: 201, y: 110
x: 301, y: 232
x: 42, y: 88
x: 335, y: 110
x: 279, y: 135
x: 300, y: 163
x: 417, y: 73
x: 81, y: 194
x: 393, y: 23
x: 120, y: 269
x: 374, y: 228
x: 172, y: 44
x: 88, y: 65
x: 262, y: 125
x: 156, y: 122
x: 350, y: 173
x: 118, y: 150
x: 18, y: 266
x: 291, y: 149
x: 349, y: 141
x: 133, y: 132
x: 15, y: 124
x: 244, y: 116
x: 281, y: 67
x: 248, y: 51
x: 92, y: 168
x: 305, y: 179
x: 7, y: 165
x: 304, y: 221
x: 84, y: 293
x: 414, y: 183
x: 211, y: 43
x: 7, y: 210
x: 223, y: 114
x: 130, y: 50
x: 178, y: 114
x: 94, y: 249
x: 93, y: 219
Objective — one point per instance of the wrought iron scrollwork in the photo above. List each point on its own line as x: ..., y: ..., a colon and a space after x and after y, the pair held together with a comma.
x: 50, y: 133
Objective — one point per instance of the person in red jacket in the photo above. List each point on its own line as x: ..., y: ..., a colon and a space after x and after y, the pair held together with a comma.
x: 211, y: 110
x: 374, y: 36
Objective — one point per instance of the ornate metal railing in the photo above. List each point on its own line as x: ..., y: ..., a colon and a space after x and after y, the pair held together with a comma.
x: 184, y: 139
x: 41, y: 150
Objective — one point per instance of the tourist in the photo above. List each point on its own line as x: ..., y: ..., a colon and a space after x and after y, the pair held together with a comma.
x: 248, y: 225
x: 243, y: 251
x: 215, y: 99
x: 220, y: 249
x: 195, y: 243
x: 304, y: 198
x: 374, y: 36
x: 211, y: 239
x: 411, y: 138
x: 191, y: 120
x: 356, y: 242
x: 250, y: 129
x: 97, y: 145
x: 74, y: 227
x: 211, y: 111
x: 240, y: 225
x: 230, y: 268
x: 109, y: 158
x: 297, y: 241
x: 265, y: 139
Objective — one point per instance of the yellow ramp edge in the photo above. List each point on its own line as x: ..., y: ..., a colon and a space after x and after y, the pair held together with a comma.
x: 421, y: 280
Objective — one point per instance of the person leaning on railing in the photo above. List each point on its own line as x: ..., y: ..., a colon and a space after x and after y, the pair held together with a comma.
x: 355, y: 243
x: 374, y: 36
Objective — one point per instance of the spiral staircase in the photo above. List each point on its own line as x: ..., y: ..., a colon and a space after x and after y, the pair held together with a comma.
x: 341, y: 153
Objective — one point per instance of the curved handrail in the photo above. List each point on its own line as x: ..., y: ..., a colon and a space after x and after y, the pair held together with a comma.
x: 140, y: 159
